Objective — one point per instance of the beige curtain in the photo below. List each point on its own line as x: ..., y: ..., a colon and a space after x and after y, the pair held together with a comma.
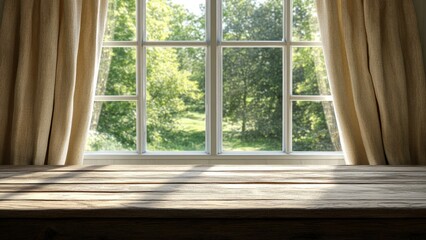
x: 375, y: 66
x: 49, y: 50
x: 1, y: 10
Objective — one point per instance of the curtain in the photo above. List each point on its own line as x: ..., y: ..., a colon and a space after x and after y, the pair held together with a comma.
x: 1, y: 10
x: 49, y: 52
x: 375, y: 66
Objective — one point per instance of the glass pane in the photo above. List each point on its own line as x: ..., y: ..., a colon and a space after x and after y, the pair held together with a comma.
x: 245, y: 20
x: 305, y: 21
x: 309, y: 72
x: 315, y: 127
x: 176, y: 119
x: 113, y: 127
x: 177, y: 20
x: 117, y: 72
x: 252, y: 99
x: 121, y: 21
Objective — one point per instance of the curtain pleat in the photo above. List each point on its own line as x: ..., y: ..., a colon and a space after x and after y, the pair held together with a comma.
x: 375, y: 66
x: 49, y: 51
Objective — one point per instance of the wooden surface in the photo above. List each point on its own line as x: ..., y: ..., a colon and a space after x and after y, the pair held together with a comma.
x: 420, y: 6
x: 207, y: 202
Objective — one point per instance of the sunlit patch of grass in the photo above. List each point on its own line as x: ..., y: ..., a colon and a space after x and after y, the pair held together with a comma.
x: 192, y: 121
x: 189, y: 135
x: 233, y: 140
x: 180, y: 141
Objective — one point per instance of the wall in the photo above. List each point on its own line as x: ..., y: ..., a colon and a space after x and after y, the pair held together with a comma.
x: 421, y: 19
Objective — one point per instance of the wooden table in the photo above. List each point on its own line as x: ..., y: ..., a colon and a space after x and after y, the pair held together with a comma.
x: 212, y: 202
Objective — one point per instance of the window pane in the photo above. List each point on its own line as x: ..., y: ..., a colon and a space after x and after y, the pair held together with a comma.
x: 117, y: 72
x: 113, y: 127
x: 247, y: 20
x: 121, y: 21
x: 309, y: 72
x: 305, y: 21
x: 315, y: 127
x: 176, y: 20
x: 252, y: 99
x: 175, y: 99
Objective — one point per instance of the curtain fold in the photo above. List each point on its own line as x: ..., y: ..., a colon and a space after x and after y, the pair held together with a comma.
x: 49, y: 52
x: 375, y: 66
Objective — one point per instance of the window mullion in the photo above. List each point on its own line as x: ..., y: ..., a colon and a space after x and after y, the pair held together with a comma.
x: 115, y: 98
x: 214, y: 115
x: 313, y: 98
x: 141, y: 109
x: 208, y: 79
x: 174, y: 44
x: 245, y: 44
x: 119, y: 44
x: 286, y: 77
x: 306, y: 44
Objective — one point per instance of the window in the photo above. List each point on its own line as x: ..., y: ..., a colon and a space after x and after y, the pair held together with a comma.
x: 210, y: 79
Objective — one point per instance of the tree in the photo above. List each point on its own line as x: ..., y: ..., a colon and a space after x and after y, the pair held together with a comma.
x: 112, y: 125
x: 252, y: 87
x: 169, y: 86
x: 253, y: 76
x: 252, y: 84
x: 315, y: 125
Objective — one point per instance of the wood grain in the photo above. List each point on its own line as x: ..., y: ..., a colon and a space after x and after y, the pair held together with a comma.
x: 213, y: 202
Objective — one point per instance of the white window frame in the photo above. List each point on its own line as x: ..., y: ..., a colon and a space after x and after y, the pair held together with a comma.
x: 214, y: 46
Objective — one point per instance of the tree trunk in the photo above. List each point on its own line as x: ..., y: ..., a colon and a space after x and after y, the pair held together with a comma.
x: 244, y: 112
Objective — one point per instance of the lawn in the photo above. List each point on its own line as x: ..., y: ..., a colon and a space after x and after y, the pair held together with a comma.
x: 190, y: 136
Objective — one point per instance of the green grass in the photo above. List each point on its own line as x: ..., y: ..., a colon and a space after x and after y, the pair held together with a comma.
x: 234, y: 141
x: 193, y: 122
x: 189, y: 135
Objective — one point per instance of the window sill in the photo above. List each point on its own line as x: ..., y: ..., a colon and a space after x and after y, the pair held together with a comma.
x: 239, y: 158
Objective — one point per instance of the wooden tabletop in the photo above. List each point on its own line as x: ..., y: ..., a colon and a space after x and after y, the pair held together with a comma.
x: 213, y: 191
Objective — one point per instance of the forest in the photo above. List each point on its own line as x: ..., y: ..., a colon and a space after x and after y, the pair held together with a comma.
x: 176, y: 79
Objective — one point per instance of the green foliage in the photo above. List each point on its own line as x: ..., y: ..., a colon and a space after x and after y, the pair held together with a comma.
x: 305, y: 21
x: 121, y: 78
x: 252, y: 77
x: 249, y: 20
x: 167, y: 89
x: 252, y: 80
x: 253, y: 90
x: 310, y: 130
x: 170, y: 88
x: 104, y: 142
x: 121, y: 21
x: 116, y: 126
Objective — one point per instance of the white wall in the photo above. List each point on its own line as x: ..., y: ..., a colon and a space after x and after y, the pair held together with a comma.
x: 421, y: 19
